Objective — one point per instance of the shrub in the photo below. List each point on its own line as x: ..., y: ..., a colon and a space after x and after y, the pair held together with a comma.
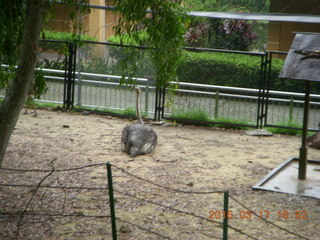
x: 196, y: 114
x: 217, y: 68
x: 287, y: 128
x: 220, y: 69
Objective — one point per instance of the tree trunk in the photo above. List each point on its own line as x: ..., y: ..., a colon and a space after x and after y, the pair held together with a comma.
x: 18, y: 89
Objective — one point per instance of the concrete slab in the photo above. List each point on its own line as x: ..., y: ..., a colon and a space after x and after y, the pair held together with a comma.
x: 258, y: 132
x: 284, y: 179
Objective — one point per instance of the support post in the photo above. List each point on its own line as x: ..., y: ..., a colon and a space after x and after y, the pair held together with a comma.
x: 69, y: 80
x: 225, y: 219
x: 216, y: 109
x: 147, y: 98
x: 303, y: 149
x: 111, y: 201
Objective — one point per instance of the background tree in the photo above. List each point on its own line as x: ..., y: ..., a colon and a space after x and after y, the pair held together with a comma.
x: 20, y: 25
x: 163, y: 23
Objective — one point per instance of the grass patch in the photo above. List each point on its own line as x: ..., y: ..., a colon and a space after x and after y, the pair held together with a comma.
x: 287, y: 130
x: 193, y: 114
x: 46, y: 105
x: 232, y: 123
x: 128, y: 112
x: 200, y: 115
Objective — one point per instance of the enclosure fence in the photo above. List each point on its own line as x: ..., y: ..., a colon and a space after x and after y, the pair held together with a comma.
x: 89, y: 77
x: 28, y: 206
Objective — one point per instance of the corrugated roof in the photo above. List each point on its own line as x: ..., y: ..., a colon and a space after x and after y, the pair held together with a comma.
x: 303, y: 59
x: 275, y: 17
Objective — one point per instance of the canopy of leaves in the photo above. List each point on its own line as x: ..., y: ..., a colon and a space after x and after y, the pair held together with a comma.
x: 163, y: 22
x: 12, y: 15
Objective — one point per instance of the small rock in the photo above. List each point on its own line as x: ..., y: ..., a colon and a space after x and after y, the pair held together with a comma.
x: 258, y: 132
x: 190, y: 184
x: 65, y: 126
x: 125, y: 229
x: 85, y: 112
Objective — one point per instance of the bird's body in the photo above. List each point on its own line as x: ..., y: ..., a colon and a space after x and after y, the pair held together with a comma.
x: 314, y: 140
x: 138, y: 139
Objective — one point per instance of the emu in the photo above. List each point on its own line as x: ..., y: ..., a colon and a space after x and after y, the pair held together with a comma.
x: 138, y: 139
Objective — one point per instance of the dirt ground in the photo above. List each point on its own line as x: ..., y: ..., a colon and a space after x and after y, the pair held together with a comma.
x: 167, y: 195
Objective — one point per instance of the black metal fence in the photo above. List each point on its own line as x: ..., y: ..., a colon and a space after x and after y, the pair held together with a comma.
x: 89, y: 76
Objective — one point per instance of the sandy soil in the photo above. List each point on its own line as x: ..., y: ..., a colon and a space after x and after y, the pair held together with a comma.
x: 189, y: 163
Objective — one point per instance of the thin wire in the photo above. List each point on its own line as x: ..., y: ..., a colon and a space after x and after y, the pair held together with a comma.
x: 268, y: 222
x: 165, y: 187
x: 315, y: 9
x: 289, y: 5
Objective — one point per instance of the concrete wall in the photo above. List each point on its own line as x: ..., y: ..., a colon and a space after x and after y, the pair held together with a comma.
x: 98, y: 23
x: 281, y: 34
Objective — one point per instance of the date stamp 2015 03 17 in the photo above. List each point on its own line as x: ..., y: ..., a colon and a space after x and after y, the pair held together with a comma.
x: 264, y: 214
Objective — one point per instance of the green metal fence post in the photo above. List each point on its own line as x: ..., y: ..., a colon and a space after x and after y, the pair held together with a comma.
x: 291, y: 110
x: 111, y: 200
x: 216, y: 110
x: 147, y: 98
x: 225, y: 219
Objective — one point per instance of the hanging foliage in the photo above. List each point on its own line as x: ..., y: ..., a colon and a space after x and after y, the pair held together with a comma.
x: 163, y: 22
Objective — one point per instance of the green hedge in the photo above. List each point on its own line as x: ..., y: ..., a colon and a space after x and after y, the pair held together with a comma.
x: 235, y: 70
x: 217, y: 68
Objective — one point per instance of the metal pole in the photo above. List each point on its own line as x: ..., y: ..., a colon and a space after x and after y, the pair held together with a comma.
x: 163, y: 101
x: 66, y: 70
x: 111, y: 200
x: 303, y: 149
x: 74, y: 53
x: 147, y: 98
x: 216, y: 109
x: 225, y: 219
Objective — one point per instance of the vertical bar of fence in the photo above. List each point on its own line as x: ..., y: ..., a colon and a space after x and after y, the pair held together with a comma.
x: 226, y: 216
x: 74, y: 66
x: 291, y: 105
x: 147, y: 98
x: 159, y: 110
x: 111, y: 202
x: 268, y: 79
x: 216, y: 109
x: 156, y: 104
x: 69, y: 77
x: 262, y: 90
x: 163, y: 101
x: 79, y: 79
x: 66, y: 64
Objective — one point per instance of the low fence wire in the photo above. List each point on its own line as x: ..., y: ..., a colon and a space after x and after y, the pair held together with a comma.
x: 125, y: 206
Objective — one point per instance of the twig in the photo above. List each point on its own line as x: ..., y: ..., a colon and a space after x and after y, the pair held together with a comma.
x: 28, y: 204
